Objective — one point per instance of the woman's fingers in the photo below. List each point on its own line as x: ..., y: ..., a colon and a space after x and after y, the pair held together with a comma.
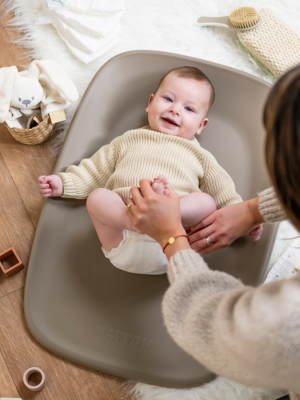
x: 203, y: 224
x: 135, y: 194
x: 146, y: 188
x: 207, y: 244
x: 203, y: 233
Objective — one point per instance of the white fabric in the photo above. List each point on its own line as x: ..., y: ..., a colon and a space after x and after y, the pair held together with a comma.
x: 88, y: 24
x: 139, y: 254
x: 171, y: 27
x: 87, y: 6
x: 87, y: 56
x: 88, y: 29
x: 77, y: 40
x: 286, y: 264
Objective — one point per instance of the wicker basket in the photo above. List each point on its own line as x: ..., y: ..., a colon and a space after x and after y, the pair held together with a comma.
x: 35, y: 135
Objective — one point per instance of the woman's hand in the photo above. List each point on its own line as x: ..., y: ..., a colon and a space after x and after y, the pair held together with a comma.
x: 156, y: 215
x: 224, y: 226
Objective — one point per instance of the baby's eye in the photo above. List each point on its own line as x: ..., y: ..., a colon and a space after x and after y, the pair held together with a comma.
x: 32, y: 98
x: 169, y: 99
x: 189, y: 108
x: 19, y: 99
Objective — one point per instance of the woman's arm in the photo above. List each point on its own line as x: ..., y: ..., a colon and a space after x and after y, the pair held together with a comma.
x: 246, y: 334
x: 224, y: 226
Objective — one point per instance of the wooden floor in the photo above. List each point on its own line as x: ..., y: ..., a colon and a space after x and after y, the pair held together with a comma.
x: 20, y: 207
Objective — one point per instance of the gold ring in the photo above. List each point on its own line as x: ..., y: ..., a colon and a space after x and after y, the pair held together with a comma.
x: 209, y: 243
x: 129, y: 205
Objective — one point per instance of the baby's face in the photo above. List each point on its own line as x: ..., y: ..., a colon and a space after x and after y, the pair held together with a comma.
x: 179, y: 107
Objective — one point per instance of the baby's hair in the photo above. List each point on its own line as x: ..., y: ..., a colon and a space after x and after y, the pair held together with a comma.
x: 192, y: 73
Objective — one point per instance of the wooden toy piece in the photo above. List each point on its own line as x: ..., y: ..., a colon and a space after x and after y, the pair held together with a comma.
x: 31, y: 371
x: 35, y: 118
x: 57, y: 116
x: 15, y: 268
x: 10, y: 398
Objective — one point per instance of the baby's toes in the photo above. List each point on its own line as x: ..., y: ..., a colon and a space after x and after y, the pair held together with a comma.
x: 166, y: 190
x: 160, y: 179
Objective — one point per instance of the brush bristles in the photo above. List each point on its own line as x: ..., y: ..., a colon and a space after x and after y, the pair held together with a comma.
x: 244, y: 17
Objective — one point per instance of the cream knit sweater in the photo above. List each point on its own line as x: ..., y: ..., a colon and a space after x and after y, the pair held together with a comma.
x: 143, y: 153
x: 250, y: 335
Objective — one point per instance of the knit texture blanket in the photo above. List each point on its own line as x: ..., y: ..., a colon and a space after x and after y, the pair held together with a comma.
x: 167, y: 26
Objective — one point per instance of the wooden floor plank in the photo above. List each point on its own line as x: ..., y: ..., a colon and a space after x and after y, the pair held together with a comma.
x: 16, y: 228
x: 7, y: 386
x: 66, y: 380
x: 119, y: 387
x: 10, y: 53
x: 25, y: 171
x: 90, y: 383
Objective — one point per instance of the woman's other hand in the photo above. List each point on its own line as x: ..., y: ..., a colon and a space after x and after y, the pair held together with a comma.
x: 224, y: 226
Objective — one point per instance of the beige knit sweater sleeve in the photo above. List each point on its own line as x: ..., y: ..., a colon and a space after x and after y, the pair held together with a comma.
x: 250, y: 335
x: 92, y: 173
x: 217, y: 182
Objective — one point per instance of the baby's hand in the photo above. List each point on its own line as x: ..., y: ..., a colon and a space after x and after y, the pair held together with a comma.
x: 255, y: 234
x: 51, y: 186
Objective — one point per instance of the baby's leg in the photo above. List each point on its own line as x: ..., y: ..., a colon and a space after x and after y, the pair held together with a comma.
x: 108, y: 213
x: 194, y: 207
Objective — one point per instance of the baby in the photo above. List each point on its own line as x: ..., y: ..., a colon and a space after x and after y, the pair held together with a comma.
x: 166, y: 149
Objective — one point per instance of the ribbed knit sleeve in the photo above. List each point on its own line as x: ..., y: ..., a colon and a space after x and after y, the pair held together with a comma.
x: 217, y: 182
x: 269, y: 206
x: 92, y: 173
x: 247, y: 334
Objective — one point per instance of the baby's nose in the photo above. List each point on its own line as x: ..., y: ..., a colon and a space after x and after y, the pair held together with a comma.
x: 26, y: 102
x: 174, y: 110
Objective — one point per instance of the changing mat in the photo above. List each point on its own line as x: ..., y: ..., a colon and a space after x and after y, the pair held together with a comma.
x: 76, y: 303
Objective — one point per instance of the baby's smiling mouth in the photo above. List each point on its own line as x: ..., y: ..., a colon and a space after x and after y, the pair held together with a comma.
x: 170, y: 121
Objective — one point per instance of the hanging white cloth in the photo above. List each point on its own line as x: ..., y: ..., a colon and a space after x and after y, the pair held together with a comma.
x: 89, y: 28
x: 86, y: 6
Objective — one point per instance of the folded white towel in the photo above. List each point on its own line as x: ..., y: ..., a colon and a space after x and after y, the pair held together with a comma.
x: 95, y: 25
x: 87, y: 6
x: 86, y: 58
x: 85, y: 43
x: 87, y: 36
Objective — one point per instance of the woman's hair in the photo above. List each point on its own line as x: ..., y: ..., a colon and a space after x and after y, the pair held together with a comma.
x: 192, y: 73
x: 282, y: 122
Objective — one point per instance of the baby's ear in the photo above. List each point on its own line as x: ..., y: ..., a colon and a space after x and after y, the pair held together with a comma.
x: 202, y: 125
x: 150, y: 101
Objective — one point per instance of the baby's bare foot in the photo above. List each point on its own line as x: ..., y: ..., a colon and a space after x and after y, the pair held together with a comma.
x: 160, y: 185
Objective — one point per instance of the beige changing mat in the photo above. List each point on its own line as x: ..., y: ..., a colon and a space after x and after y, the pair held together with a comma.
x: 76, y: 303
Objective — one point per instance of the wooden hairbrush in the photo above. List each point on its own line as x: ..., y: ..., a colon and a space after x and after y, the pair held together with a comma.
x: 241, y: 19
x: 264, y: 35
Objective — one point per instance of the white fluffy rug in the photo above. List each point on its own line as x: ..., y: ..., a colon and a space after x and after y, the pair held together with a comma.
x: 168, y: 25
